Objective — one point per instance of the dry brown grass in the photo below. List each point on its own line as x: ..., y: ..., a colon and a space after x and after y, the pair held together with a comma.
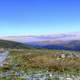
x: 49, y: 60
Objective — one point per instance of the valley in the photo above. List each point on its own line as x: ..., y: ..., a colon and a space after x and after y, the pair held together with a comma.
x: 40, y: 60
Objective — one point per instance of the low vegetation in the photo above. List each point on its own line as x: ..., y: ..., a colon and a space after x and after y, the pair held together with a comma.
x: 67, y: 62
x: 46, y: 59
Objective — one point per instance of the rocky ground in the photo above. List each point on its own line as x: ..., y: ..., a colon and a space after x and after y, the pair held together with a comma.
x: 41, y: 65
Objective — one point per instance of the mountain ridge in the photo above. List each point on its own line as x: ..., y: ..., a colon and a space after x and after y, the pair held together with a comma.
x: 68, y: 41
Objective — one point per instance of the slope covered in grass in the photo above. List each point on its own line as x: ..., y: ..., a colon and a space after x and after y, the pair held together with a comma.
x: 12, y: 44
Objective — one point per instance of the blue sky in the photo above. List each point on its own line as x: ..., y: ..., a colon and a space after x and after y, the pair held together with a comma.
x: 27, y: 17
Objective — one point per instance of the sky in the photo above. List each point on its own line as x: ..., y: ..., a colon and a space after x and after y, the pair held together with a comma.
x: 37, y: 17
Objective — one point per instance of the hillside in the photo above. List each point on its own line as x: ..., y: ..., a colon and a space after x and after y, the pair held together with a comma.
x: 12, y: 44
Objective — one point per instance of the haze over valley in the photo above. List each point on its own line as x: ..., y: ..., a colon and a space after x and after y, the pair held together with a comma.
x: 60, y: 41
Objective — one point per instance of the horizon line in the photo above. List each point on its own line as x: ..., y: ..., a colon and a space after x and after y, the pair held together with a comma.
x: 40, y: 34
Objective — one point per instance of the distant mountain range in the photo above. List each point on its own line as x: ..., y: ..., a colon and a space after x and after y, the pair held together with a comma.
x: 70, y: 45
x: 67, y: 41
x: 50, y: 37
